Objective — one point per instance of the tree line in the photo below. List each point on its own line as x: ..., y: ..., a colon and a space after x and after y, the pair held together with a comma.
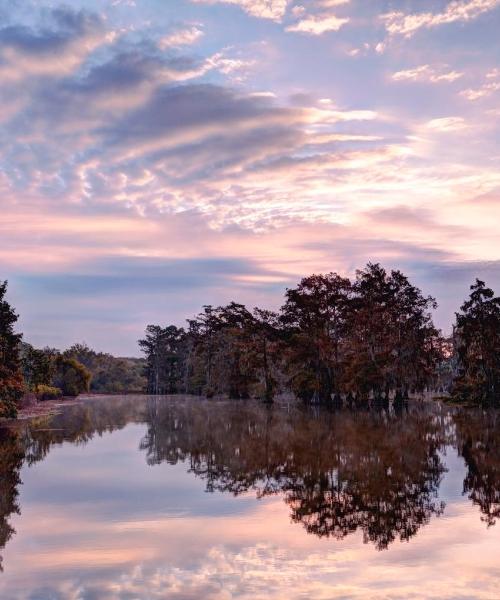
x: 334, y: 340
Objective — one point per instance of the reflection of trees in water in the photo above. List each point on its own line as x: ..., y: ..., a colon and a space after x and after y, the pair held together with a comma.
x: 478, y: 442
x: 376, y: 471
x: 80, y: 422
x: 11, y: 459
x: 338, y: 472
x: 30, y: 441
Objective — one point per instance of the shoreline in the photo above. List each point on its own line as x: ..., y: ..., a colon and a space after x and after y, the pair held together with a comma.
x: 42, y: 408
x: 39, y: 408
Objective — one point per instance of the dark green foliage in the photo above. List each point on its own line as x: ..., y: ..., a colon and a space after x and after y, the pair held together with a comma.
x: 266, y: 336
x: 71, y: 377
x: 38, y: 365
x: 226, y: 350
x: 477, y: 343
x: 223, y: 342
x: 223, y: 351
x: 51, y: 375
x: 11, y: 382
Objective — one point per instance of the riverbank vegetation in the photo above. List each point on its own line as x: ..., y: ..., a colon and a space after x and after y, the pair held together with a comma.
x: 334, y: 340
x: 44, y: 374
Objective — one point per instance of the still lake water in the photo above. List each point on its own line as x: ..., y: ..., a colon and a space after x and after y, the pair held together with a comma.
x: 169, y: 497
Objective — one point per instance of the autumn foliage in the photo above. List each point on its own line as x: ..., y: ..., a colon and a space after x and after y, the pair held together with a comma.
x: 332, y: 339
x: 11, y: 380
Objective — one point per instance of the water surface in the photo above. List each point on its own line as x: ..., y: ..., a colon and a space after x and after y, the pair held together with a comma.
x: 181, y: 498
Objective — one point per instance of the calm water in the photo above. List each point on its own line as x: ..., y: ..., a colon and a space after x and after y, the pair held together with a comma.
x: 152, y: 498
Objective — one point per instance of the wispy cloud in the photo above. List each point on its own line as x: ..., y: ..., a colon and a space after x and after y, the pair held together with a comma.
x: 318, y: 24
x: 57, y: 51
x: 490, y: 85
x: 446, y: 124
x: 428, y: 73
x: 181, y: 37
x: 400, y: 23
x: 264, y: 9
x: 318, y: 17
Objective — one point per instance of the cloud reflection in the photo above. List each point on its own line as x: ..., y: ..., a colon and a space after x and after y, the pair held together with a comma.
x: 114, y: 527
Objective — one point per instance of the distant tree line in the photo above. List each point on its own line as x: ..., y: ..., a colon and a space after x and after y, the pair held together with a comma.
x: 110, y: 374
x: 333, y: 340
x: 48, y: 373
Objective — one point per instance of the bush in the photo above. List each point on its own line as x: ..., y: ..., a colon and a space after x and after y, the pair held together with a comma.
x: 47, y: 392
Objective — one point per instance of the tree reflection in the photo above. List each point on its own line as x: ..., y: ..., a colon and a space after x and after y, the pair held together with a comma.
x: 478, y: 442
x: 30, y: 442
x: 338, y: 471
x: 11, y: 460
x: 376, y: 470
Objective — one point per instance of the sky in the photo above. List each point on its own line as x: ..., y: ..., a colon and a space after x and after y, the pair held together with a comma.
x: 159, y: 155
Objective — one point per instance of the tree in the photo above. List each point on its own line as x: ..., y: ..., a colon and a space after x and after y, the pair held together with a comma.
x: 11, y: 381
x: 332, y: 339
x: 38, y: 366
x: 222, y: 356
x: 71, y: 377
x: 392, y: 340
x: 477, y: 344
x: 266, y: 335
x: 234, y: 367
x: 202, y: 331
x: 315, y: 315
x: 164, y: 349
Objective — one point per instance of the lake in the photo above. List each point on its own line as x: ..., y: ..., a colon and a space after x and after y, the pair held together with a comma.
x: 140, y: 497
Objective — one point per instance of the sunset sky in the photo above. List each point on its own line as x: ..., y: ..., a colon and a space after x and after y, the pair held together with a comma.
x: 158, y: 155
